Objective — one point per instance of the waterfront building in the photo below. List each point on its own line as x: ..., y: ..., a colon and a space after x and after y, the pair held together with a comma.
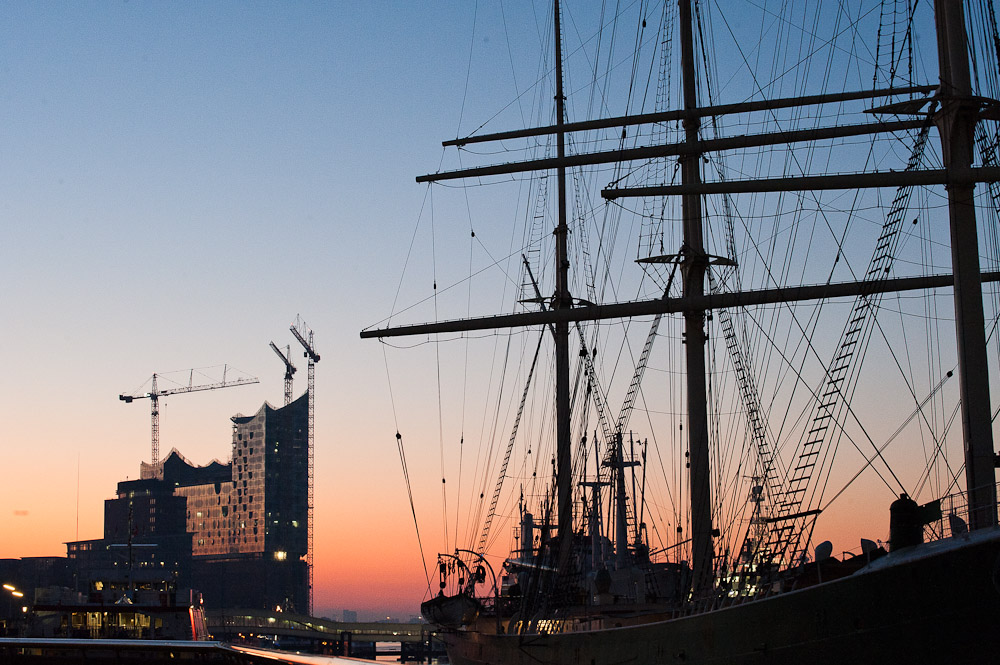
x: 236, y: 532
x: 265, y: 514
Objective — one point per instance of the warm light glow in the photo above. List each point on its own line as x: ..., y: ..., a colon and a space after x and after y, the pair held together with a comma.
x: 280, y: 556
x: 9, y: 587
x: 17, y: 594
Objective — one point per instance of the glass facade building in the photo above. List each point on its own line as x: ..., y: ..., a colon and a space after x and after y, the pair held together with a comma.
x: 237, y: 532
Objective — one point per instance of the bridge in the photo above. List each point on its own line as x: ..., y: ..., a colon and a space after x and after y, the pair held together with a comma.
x: 317, y: 635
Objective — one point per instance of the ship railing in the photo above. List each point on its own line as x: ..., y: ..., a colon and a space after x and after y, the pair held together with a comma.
x: 946, y: 517
x: 954, y: 519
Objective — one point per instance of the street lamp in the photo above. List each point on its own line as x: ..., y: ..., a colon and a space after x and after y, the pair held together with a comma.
x: 14, y: 593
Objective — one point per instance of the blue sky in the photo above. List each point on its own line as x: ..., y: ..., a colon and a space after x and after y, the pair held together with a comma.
x: 178, y: 181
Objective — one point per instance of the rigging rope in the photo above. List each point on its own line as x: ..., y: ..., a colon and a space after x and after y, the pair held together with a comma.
x: 413, y: 508
x: 510, y: 447
x: 406, y: 472
x: 841, y: 375
x: 437, y: 358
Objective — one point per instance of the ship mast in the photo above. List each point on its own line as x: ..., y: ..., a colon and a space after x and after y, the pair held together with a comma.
x: 956, y: 124
x: 564, y: 483
x: 693, y: 271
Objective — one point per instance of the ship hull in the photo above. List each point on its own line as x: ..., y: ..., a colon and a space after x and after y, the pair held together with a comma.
x: 934, y: 603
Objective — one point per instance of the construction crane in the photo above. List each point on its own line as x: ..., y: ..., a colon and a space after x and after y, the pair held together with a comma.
x: 155, y: 394
x: 289, y: 370
x: 304, y: 335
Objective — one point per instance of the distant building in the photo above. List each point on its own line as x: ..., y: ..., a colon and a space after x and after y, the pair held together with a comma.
x: 145, y: 550
x: 237, y: 532
x: 266, y: 513
x: 144, y: 509
x: 350, y: 616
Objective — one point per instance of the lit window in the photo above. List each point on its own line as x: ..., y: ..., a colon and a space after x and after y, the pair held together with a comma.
x: 280, y: 556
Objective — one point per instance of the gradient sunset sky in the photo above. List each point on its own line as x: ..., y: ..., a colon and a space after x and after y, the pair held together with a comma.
x: 178, y: 181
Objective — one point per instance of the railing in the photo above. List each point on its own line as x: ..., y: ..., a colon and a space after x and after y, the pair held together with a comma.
x: 284, y: 623
x: 954, y: 520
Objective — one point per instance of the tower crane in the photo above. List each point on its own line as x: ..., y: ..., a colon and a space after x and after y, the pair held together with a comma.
x: 304, y: 335
x: 289, y: 370
x: 155, y: 394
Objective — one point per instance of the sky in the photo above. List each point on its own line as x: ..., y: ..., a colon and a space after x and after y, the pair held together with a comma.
x: 178, y: 182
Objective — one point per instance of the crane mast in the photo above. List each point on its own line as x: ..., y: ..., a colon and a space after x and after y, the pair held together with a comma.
x: 289, y: 370
x: 155, y: 394
x: 304, y: 335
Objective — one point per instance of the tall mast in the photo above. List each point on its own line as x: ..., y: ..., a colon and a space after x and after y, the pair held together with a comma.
x: 693, y: 271
x: 561, y: 328
x: 956, y: 123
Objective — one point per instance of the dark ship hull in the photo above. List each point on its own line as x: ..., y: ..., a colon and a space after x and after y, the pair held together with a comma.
x: 931, y: 603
